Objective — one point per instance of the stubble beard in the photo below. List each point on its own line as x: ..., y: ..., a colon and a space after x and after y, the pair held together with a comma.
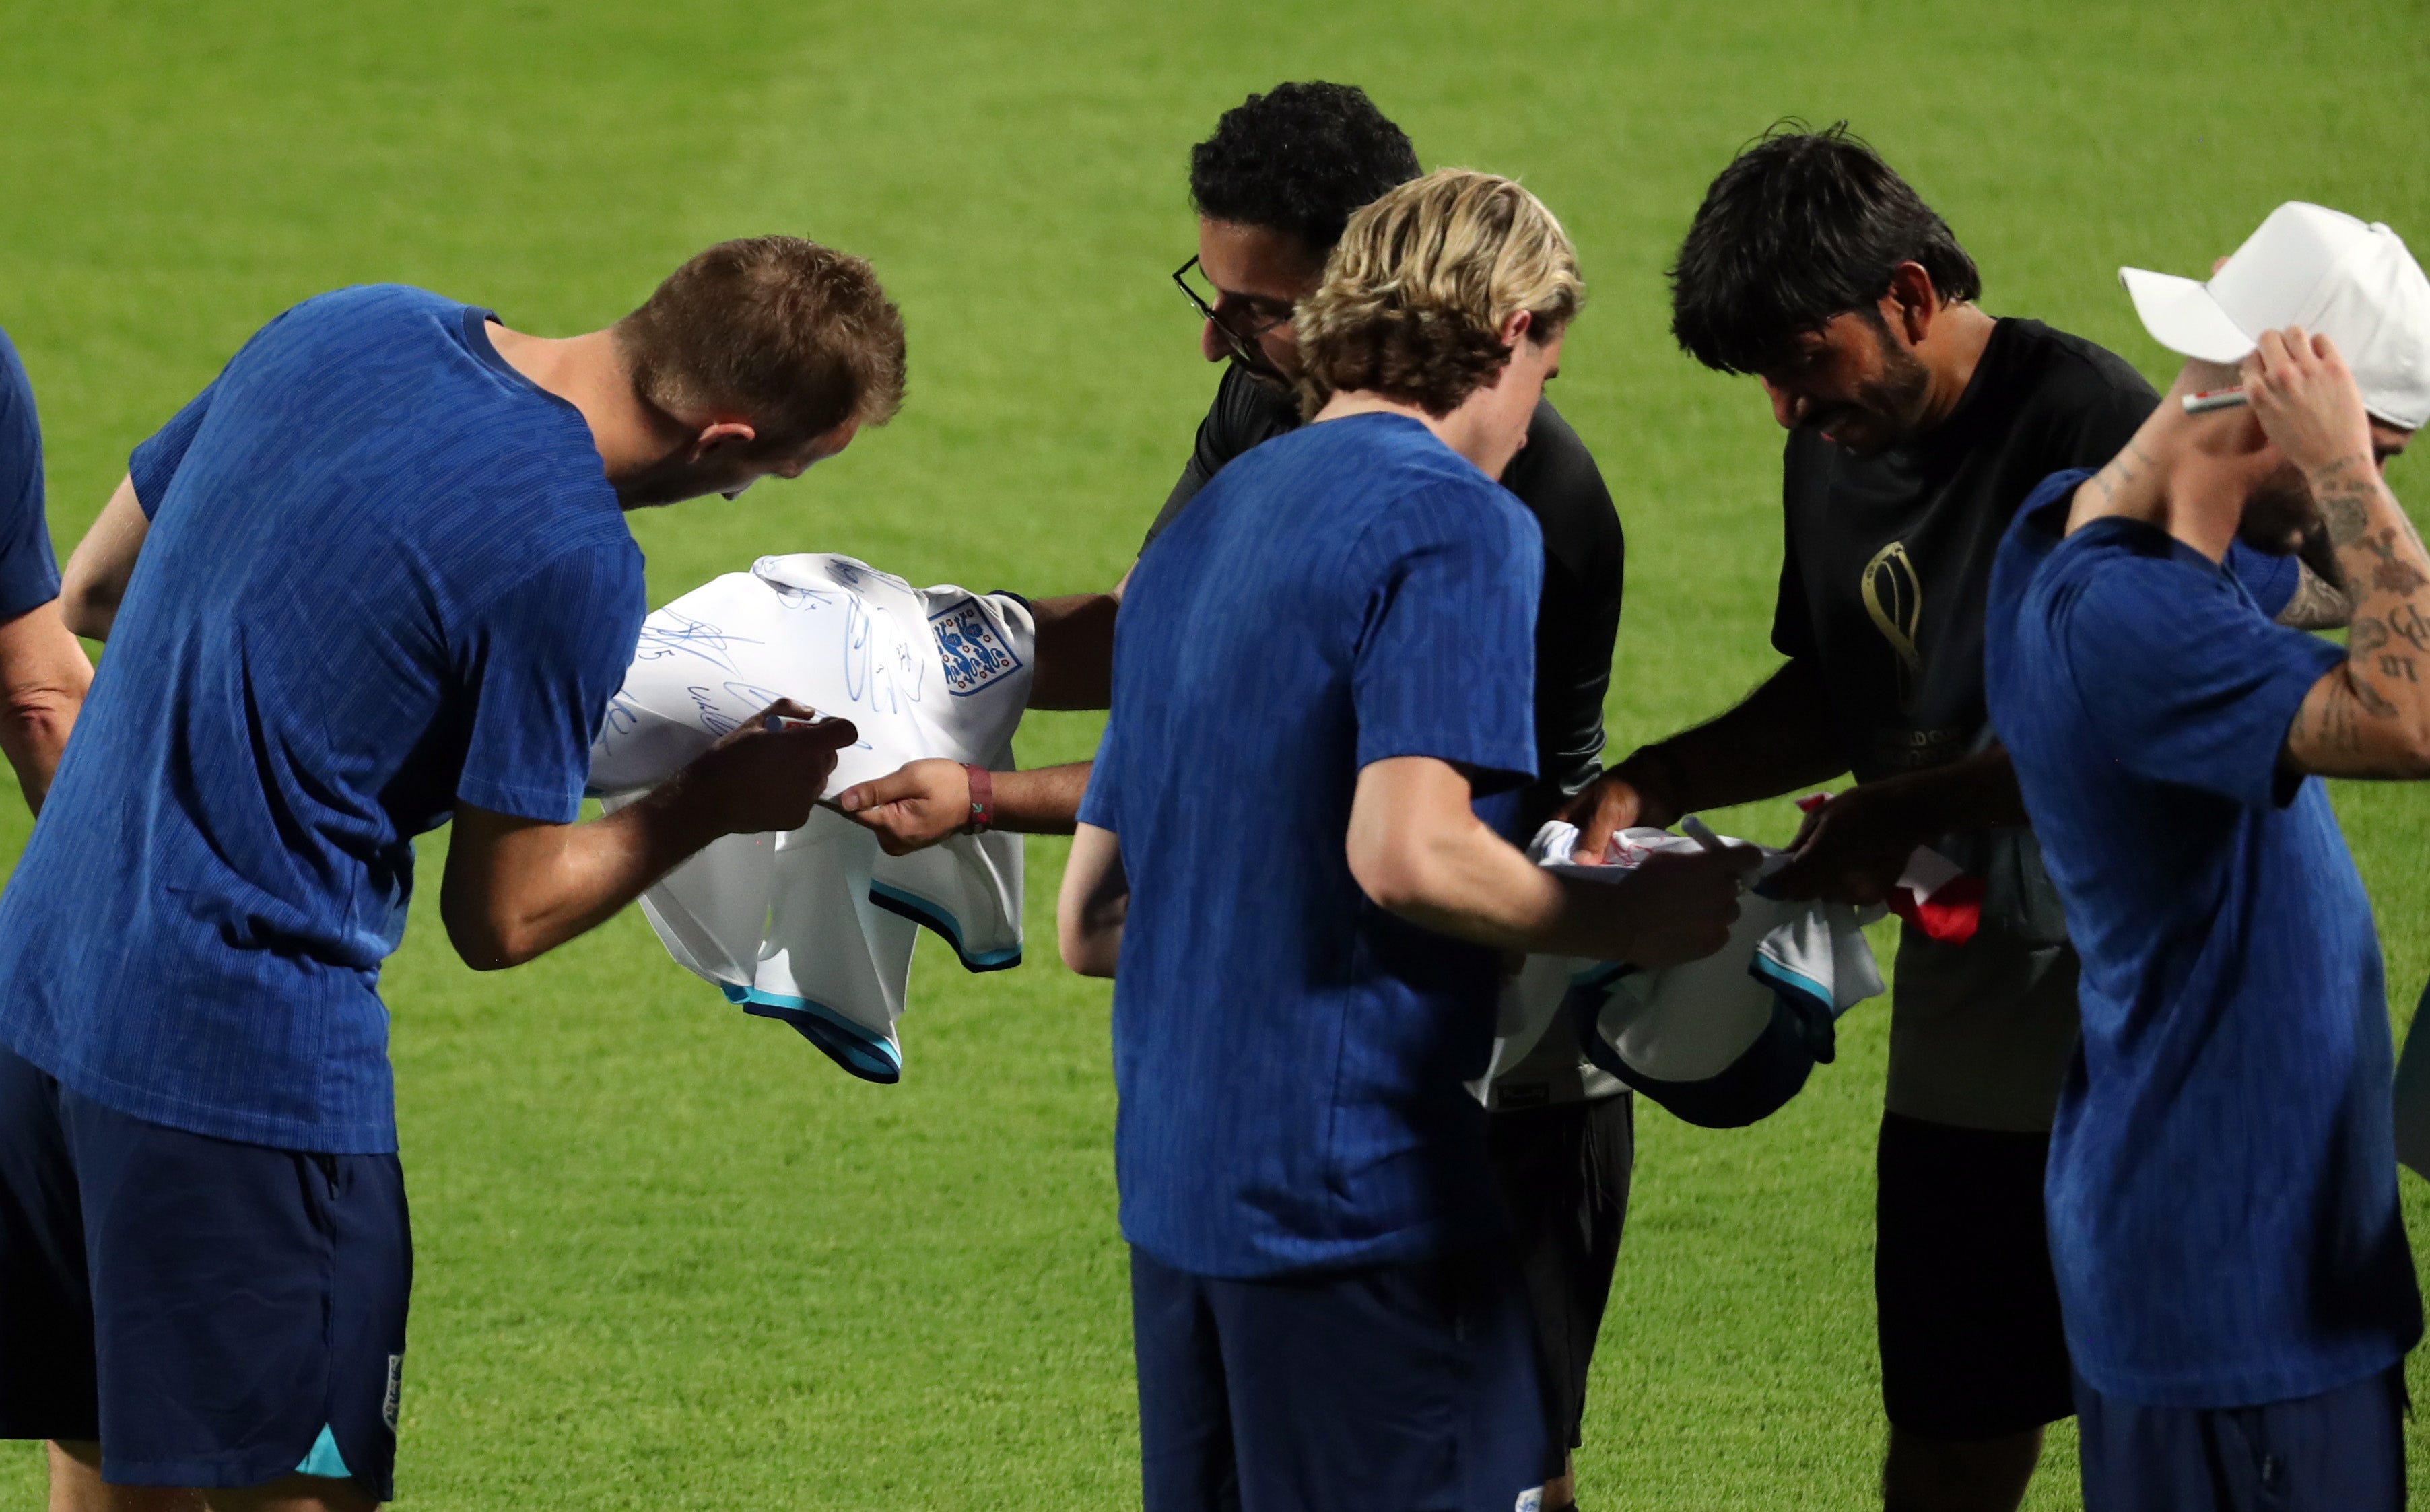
x: 1895, y: 402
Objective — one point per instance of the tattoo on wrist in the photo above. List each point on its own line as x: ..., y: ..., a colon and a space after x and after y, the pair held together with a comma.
x: 2346, y: 516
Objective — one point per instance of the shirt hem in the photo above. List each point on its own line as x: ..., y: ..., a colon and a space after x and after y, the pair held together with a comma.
x: 2252, y: 1389
x: 210, y: 1123
x: 1408, y: 1246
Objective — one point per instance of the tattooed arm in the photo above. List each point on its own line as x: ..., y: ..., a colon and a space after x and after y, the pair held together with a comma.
x: 2370, y: 715
x: 2319, y: 603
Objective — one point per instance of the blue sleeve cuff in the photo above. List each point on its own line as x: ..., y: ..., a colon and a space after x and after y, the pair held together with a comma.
x: 1490, y: 768
x: 2283, y: 698
x: 543, y: 805
x: 154, y: 465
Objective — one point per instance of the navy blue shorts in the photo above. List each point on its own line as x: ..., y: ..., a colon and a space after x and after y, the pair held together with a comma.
x: 214, y: 1314
x: 1409, y: 1387
x: 2343, y: 1450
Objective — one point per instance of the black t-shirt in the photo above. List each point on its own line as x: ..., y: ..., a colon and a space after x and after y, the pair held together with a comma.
x: 1889, y: 555
x: 1578, y: 616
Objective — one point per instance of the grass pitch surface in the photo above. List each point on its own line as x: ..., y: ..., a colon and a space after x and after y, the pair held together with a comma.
x: 668, y: 1256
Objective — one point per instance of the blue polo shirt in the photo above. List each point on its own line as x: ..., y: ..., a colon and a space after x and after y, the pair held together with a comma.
x: 385, y: 574
x: 1288, y: 1056
x: 29, y: 575
x: 2223, y: 1178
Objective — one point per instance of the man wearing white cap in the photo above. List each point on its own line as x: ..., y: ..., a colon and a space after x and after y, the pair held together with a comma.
x: 2233, y: 1271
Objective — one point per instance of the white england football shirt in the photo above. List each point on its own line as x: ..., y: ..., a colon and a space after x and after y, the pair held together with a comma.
x: 816, y: 927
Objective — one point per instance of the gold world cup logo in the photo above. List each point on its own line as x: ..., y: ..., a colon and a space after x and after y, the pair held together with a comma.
x: 1893, y: 596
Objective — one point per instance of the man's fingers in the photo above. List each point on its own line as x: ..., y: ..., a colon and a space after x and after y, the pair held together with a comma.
x: 822, y: 735
x: 1601, y: 821
x: 879, y: 792
x: 788, y: 716
x: 1594, y: 839
x: 1600, y: 812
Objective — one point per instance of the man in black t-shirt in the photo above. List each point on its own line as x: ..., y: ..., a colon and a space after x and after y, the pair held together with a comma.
x: 1273, y: 188
x: 1917, y: 424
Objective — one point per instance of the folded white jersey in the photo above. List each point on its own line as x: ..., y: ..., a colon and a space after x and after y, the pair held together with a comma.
x: 1721, y: 1041
x: 816, y: 927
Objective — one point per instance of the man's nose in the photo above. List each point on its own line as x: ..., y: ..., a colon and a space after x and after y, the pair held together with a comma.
x: 1211, y: 345
x: 1786, y: 408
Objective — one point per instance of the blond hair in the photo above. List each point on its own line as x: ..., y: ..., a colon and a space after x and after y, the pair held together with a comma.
x: 1415, y: 292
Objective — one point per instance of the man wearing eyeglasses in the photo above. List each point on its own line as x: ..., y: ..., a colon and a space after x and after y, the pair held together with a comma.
x: 1274, y: 187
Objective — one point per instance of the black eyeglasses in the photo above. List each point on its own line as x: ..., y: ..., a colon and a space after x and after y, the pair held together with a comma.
x: 1243, y: 343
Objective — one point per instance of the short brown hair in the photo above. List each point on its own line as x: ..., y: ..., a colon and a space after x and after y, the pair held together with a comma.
x: 1416, y: 291
x: 798, y: 337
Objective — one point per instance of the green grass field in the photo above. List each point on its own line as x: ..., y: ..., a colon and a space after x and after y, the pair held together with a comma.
x: 670, y: 1257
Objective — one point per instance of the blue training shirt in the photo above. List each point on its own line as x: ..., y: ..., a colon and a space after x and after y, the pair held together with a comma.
x: 385, y: 574
x: 1290, y: 1056
x: 29, y: 575
x: 2223, y: 1179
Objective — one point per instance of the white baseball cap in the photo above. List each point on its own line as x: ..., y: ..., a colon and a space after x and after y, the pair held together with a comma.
x: 2321, y: 270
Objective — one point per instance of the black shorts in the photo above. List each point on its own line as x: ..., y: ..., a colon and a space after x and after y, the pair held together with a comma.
x: 215, y: 1313
x: 1968, y: 1309
x: 1564, y: 1173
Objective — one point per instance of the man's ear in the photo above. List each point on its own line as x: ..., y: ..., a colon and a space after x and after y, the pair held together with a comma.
x: 1517, y: 323
x: 1911, y: 302
x: 721, y: 435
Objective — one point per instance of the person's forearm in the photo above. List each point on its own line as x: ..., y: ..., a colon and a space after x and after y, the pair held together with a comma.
x: 1074, y: 652
x: 1778, y: 739
x: 2371, y: 718
x: 1043, y: 801
x: 1092, y: 904
x: 2321, y: 600
x: 1978, y: 793
x: 43, y: 675
x: 1417, y: 849
x: 95, y: 579
x: 1467, y: 882
x: 33, y: 736
x: 568, y: 878
x: 518, y: 888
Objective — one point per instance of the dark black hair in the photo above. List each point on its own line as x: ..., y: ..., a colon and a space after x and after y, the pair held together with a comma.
x: 1302, y: 159
x: 1802, y: 226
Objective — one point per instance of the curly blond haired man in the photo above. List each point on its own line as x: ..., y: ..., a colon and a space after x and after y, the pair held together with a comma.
x: 1282, y: 863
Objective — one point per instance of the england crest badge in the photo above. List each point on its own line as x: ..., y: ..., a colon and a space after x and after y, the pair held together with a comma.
x: 973, y: 653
